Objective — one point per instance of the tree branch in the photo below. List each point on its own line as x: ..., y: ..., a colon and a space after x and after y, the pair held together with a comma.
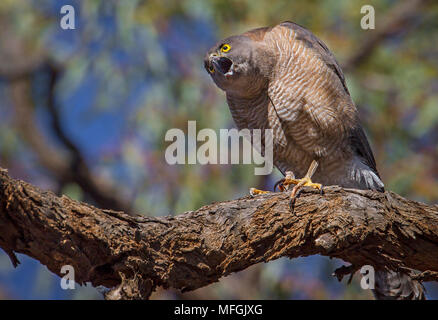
x: 134, y: 255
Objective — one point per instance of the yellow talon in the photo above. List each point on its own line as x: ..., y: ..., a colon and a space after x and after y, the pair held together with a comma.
x: 304, y: 182
x: 307, y: 182
x: 254, y: 191
x: 299, y: 183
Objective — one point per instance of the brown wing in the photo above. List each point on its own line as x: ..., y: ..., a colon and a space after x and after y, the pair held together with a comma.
x: 319, y: 47
x: 319, y: 114
x: 358, y: 139
x: 361, y: 147
x: 310, y: 99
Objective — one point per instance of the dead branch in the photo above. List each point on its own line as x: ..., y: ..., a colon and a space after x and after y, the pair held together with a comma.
x: 135, y: 254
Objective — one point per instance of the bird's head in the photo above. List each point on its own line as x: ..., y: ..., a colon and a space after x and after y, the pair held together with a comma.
x: 238, y: 64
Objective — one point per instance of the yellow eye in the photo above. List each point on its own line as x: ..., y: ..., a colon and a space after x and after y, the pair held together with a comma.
x: 211, y: 69
x: 225, y: 48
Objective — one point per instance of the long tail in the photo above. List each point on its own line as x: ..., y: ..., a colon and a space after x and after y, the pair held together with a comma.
x: 391, y: 285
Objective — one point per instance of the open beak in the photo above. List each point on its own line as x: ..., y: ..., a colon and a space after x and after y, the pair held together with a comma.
x: 222, y: 64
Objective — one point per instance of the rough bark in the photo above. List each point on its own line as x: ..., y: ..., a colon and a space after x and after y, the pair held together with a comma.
x: 135, y: 254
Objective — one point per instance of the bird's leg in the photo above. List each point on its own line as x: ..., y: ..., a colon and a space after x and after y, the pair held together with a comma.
x: 283, y: 184
x: 280, y: 184
x: 304, y: 182
x: 289, y: 179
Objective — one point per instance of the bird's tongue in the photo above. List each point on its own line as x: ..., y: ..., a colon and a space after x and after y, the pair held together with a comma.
x: 223, y: 64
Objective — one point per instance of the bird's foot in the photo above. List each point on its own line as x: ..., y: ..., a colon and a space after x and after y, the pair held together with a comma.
x: 299, y: 184
x: 304, y: 182
x: 253, y: 192
x: 283, y: 184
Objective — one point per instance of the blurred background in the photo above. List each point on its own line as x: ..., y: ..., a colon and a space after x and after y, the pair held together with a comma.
x: 84, y: 112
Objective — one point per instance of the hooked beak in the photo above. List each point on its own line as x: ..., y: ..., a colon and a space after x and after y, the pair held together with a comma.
x: 222, y: 64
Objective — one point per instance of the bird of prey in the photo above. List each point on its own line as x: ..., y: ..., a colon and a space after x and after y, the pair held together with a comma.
x: 286, y: 79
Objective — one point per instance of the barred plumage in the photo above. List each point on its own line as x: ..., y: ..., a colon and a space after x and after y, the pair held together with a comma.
x: 286, y: 79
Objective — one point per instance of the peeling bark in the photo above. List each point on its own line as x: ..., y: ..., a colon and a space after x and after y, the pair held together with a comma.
x: 135, y: 254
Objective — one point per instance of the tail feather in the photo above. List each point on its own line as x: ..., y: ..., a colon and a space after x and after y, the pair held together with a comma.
x: 391, y: 285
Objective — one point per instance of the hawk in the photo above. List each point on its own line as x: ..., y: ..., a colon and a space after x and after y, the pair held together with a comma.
x: 285, y: 79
